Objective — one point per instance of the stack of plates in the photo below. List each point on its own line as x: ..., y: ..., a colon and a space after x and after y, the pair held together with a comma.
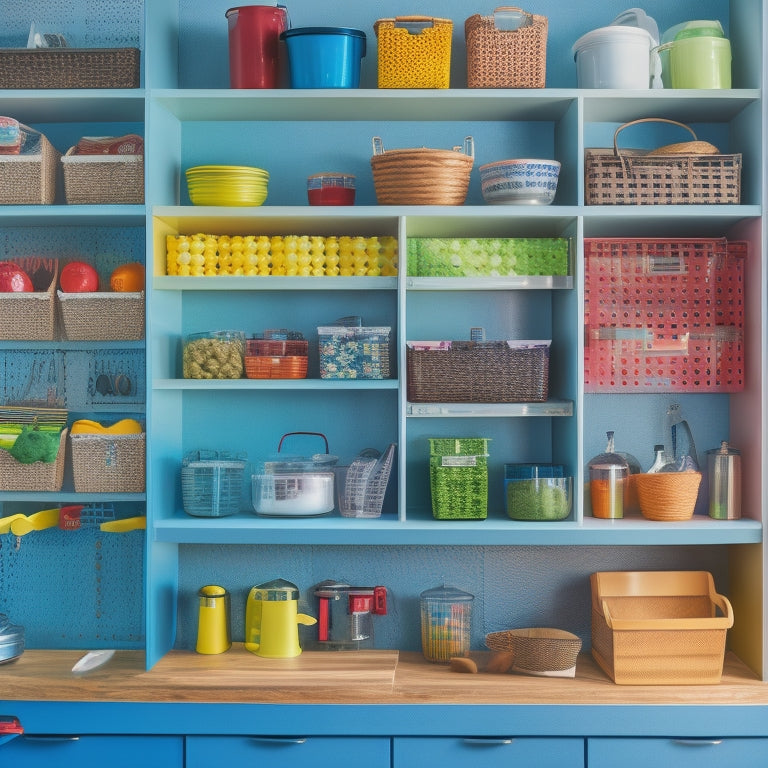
x: 227, y: 185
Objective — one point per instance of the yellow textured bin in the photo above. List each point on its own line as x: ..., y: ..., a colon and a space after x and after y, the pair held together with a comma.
x: 659, y: 627
x: 414, y: 52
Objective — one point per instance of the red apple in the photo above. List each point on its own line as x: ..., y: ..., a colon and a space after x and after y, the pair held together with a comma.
x: 79, y: 277
x: 13, y: 278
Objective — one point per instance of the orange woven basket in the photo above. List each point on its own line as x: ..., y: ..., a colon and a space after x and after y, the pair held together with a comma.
x: 422, y: 176
x: 506, y: 58
x: 667, y: 496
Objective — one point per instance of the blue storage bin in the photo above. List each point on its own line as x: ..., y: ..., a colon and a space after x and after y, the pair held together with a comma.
x: 324, y: 57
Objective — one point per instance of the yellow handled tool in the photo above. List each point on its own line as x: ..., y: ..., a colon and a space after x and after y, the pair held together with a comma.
x: 39, y: 521
x: 126, y: 524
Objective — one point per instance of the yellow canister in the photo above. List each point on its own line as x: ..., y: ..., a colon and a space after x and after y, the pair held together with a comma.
x: 213, y: 634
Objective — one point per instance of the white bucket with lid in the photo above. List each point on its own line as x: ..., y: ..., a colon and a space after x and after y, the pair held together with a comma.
x: 614, y: 57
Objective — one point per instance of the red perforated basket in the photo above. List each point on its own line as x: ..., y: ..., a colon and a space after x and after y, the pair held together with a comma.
x: 664, y: 315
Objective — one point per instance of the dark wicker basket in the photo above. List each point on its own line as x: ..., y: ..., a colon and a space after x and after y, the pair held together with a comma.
x: 69, y: 68
x: 478, y: 372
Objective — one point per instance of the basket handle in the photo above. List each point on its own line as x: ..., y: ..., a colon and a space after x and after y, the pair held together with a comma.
x: 431, y: 20
x: 647, y: 120
x: 468, y: 148
x: 316, y: 434
x: 517, y: 18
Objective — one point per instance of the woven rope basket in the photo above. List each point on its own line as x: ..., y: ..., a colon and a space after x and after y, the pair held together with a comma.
x: 422, y: 176
x: 102, y: 316
x: 537, y: 649
x: 667, y: 496
x: 29, y: 179
x: 504, y: 58
x: 108, y: 463
x: 38, y: 476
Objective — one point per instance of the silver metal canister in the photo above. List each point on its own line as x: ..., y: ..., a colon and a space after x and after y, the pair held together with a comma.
x: 724, y: 471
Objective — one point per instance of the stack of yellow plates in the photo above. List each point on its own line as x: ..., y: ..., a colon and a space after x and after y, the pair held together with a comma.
x: 227, y: 185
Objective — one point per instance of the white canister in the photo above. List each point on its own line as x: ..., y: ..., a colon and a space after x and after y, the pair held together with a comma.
x: 614, y: 57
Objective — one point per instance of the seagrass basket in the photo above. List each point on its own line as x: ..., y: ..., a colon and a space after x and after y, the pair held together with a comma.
x: 29, y: 179
x: 667, y: 496
x: 102, y: 316
x: 38, y: 476
x: 422, y: 176
x: 103, y: 179
x: 506, y: 58
x: 108, y: 463
x: 538, y: 650
x: 31, y: 316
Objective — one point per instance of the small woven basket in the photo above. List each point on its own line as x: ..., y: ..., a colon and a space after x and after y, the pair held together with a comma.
x: 38, y: 476
x: 422, y: 176
x: 109, y: 463
x: 31, y: 316
x: 538, y: 649
x: 29, y: 179
x: 506, y: 58
x: 103, y: 179
x: 667, y: 496
x: 102, y: 316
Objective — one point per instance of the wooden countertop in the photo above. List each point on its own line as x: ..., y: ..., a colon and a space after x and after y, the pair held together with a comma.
x: 357, y: 677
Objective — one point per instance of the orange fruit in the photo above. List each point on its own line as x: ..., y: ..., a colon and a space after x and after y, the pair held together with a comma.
x: 128, y: 278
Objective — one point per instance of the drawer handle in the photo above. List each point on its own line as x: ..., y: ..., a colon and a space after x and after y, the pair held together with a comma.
x: 49, y: 738
x: 697, y: 742
x: 487, y: 742
x: 279, y: 739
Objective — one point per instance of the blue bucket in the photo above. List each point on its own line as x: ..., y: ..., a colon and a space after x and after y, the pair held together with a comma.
x: 324, y: 57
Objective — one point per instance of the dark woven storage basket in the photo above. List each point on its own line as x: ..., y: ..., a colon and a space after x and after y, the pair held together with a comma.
x: 637, y: 177
x: 478, y: 372
x: 69, y: 68
x: 537, y: 649
x: 499, y: 58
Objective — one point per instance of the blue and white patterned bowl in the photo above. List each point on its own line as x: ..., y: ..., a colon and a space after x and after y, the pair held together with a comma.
x: 521, y: 182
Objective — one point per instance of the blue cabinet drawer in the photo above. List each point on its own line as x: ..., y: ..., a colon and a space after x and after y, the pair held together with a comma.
x: 93, y: 751
x: 679, y: 752
x: 504, y: 752
x: 315, y: 751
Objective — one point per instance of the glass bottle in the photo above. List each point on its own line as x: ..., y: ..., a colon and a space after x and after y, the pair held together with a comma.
x: 659, y: 460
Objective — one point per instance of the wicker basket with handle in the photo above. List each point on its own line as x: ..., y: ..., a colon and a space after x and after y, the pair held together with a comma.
x: 639, y: 177
x: 422, y: 176
x: 500, y: 57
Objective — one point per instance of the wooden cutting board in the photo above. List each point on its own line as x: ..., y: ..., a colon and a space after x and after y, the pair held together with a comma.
x: 241, y: 675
